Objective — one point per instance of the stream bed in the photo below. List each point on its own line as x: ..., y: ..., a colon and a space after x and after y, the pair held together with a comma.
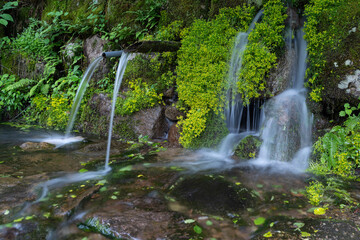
x: 151, y: 194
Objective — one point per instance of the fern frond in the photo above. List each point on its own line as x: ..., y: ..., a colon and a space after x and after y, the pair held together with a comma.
x: 20, y: 84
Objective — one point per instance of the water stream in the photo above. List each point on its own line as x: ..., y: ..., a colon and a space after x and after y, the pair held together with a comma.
x: 286, y: 133
x: 118, y: 79
x: 80, y: 93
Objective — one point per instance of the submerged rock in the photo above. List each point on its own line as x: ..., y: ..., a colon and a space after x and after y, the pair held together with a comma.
x: 248, y: 147
x: 213, y: 195
x: 36, y: 146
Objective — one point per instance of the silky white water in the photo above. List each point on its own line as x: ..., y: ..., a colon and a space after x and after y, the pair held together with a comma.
x: 118, y: 79
x: 287, y: 126
x: 80, y: 93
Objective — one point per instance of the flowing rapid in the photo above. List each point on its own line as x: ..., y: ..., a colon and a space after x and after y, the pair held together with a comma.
x: 287, y: 125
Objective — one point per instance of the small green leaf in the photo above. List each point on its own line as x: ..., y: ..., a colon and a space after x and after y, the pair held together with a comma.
x: 259, y: 185
x: 209, y: 223
x: 299, y: 224
x: 305, y: 234
x: 47, y: 214
x: 197, y: 229
x: 29, y: 217
x: 59, y: 196
x: 268, y: 234
x: 101, y: 182
x: 18, y: 220
x: 187, y: 221
x: 272, y: 224
x: 127, y: 168
x: 6, y: 212
x: 259, y: 221
x: 103, y: 189
x: 83, y: 170
x: 113, y: 197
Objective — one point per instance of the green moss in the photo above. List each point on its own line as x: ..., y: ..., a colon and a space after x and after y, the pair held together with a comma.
x: 124, y: 130
x: 248, y: 147
x: 215, y: 131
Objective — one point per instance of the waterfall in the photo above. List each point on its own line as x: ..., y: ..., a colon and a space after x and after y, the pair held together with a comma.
x: 80, y: 93
x: 286, y: 132
x: 234, y: 110
x: 118, y: 79
x: 239, y: 119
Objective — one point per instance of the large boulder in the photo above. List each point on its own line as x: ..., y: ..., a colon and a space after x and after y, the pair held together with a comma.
x: 93, y: 48
x: 151, y: 122
x: 172, y: 113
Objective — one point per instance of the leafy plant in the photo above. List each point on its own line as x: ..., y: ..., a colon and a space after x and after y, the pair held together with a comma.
x: 4, y: 17
x: 260, y: 54
x: 148, y: 16
x: 139, y: 97
x: 339, y: 149
x: 202, y: 65
x: 13, y: 92
x: 328, y: 23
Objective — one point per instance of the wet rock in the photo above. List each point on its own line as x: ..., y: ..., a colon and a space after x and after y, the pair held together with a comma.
x: 169, y: 93
x: 150, y: 122
x: 285, y: 228
x: 174, y: 136
x: 249, y: 147
x: 101, y: 103
x: 279, y: 79
x: 172, y: 113
x: 15, y: 192
x: 71, y: 203
x: 122, y: 219
x: 212, y: 195
x: 93, y: 48
x: 351, y: 84
x: 36, y: 146
x: 293, y: 18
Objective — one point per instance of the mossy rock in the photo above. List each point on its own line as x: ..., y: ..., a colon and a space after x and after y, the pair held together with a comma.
x: 248, y: 147
x: 213, y: 195
x: 78, y: 10
x: 214, y: 132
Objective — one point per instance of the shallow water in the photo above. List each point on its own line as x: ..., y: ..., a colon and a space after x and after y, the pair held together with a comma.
x: 144, y: 196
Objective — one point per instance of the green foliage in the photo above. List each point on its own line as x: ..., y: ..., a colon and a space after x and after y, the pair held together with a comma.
x: 339, y: 149
x: 50, y: 111
x: 257, y: 62
x: 140, y: 96
x: 260, y: 54
x: 202, y: 65
x: 214, y: 132
x: 332, y: 191
x: 328, y: 24
x: 146, y: 77
x: 13, y: 92
x: 171, y: 32
x: 148, y: 17
x: 4, y: 17
x: 315, y: 192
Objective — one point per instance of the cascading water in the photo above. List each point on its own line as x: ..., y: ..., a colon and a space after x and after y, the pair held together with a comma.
x: 80, y: 93
x: 287, y: 127
x: 77, y: 177
x: 118, y: 79
x: 238, y: 118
